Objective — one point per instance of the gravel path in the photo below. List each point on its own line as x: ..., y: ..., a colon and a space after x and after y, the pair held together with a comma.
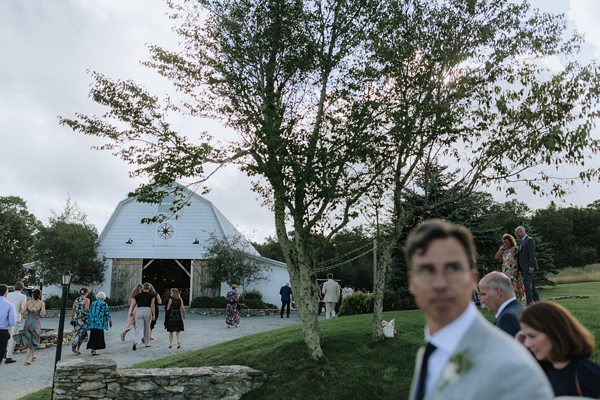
x: 200, y: 331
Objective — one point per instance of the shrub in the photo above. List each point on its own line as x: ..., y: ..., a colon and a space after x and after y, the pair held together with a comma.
x: 209, y: 302
x: 358, y: 303
x: 54, y: 301
x: 252, y: 294
x: 254, y: 303
x: 362, y: 303
x: 113, y: 303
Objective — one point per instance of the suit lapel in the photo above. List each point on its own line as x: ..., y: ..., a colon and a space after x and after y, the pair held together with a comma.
x: 469, y: 345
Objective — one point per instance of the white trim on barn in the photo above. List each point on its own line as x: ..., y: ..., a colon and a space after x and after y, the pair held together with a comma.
x: 125, y: 243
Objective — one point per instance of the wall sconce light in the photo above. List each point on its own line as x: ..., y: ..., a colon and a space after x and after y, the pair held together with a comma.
x: 130, y: 241
x: 196, y: 241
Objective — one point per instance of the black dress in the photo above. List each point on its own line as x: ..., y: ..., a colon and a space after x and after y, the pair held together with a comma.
x: 174, y: 322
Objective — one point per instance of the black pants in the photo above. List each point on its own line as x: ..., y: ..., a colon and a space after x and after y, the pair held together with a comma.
x: 4, y: 336
x: 284, y: 304
x: 531, y: 293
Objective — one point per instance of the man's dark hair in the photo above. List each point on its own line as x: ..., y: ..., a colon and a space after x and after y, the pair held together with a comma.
x: 330, y: 276
x: 422, y: 235
x: 3, y: 290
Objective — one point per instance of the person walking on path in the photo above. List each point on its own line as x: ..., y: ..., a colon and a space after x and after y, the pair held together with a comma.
x: 176, y: 315
x: 331, y: 295
x: 157, y: 302
x: 79, y: 319
x: 131, y: 313
x: 29, y: 338
x: 232, y: 312
x: 286, y: 298
x: 19, y: 301
x: 144, y: 314
x: 8, y: 319
x: 98, y: 321
x: 527, y: 264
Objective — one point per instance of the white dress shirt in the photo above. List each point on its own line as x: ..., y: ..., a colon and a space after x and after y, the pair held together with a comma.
x: 503, y: 306
x: 7, y: 314
x: 446, y: 340
x: 19, y: 301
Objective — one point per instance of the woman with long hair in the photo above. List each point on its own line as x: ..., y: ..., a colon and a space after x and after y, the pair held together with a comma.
x: 232, y: 312
x: 144, y: 314
x: 562, y: 346
x: 29, y: 338
x: 79, y: 319
x: 176, y: 315
x: 510, y: 267
x: 131, y: 313
x: 99, y: 320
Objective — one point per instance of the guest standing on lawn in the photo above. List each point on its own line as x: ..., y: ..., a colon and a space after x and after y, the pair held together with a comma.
x: 98, y: 321
x: 232, y: 313
x: 29, y: 338
x: 176, y: 315
x: 79, y: 319
x: 131, y: 313
x: 510, y: 266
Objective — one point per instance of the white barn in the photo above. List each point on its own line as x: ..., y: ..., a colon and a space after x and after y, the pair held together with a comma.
x: 172, y: 253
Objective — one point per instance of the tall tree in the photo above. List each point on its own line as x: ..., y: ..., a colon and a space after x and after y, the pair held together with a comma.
x: 230, y: 260
x: 17, y: 236
x: 69, y: 243
x: 464, y: 82
x: 281, y: 74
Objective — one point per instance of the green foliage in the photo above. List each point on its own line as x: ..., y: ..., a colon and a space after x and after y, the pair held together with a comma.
x: 209, y: 302
x: 230, y: 260
x: 69, y: 243
x: 252, y: 294
x: 254, y: 303
x: 17, y: 229
x: 362, y: 303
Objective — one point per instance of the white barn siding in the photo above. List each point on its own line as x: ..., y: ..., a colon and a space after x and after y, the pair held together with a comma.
x: 198, y: 221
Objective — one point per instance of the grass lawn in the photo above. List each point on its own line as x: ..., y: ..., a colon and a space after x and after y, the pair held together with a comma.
x: 357, y: 368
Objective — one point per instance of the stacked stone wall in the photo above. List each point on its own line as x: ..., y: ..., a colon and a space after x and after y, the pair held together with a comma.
x: 85, y: 380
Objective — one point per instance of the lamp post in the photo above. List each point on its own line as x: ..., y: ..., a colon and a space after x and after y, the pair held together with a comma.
x: 66, y: 282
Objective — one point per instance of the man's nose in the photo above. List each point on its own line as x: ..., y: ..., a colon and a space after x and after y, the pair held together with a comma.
x: 439, y: 280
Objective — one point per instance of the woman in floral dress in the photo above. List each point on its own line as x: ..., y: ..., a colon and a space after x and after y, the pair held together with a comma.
x: 29, y: 338
x: 79, y: 319
x: 232, y: 313
x: 508, y: 254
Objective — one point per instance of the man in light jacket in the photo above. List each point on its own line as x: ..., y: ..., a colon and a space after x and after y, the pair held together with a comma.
x: 331, y: 295
x: 19, y: 301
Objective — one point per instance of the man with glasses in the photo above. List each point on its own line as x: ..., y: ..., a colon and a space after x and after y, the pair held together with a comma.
x: 465, y: 357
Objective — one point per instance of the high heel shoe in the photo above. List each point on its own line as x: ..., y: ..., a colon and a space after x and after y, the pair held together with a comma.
x: 26, y: 363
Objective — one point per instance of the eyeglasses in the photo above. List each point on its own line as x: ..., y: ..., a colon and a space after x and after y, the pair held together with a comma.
x: 450, y: 272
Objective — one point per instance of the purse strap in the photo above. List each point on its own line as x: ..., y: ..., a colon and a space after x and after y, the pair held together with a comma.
x: 577, y: 385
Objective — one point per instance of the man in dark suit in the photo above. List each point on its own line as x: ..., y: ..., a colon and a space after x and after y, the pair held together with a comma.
x: 286, y: 298
x: 527, y: 264
x: 497, y: 295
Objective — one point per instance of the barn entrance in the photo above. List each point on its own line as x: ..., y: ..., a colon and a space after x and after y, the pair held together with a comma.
x: 167, y: 274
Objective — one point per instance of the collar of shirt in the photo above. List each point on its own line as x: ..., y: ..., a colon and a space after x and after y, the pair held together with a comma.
x: 446, y: 340
x: 503, y: 306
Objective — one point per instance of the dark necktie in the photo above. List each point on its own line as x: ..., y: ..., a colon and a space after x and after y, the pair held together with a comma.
x: 429, y: 349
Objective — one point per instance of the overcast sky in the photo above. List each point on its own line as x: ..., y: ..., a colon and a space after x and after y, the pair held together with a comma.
x: 46, y: 48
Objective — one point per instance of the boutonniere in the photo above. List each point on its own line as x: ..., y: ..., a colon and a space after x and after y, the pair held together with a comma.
x: 457, y: 366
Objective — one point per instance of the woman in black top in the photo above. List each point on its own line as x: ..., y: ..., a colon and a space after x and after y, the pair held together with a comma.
x: 176, y: 313
x: 144, y: 315
x: 562, y: 345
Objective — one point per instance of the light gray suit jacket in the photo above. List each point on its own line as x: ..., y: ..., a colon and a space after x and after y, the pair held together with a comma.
x: 501, y: 369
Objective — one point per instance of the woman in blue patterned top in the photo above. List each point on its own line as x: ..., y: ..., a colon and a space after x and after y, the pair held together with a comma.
x: 98, y: 321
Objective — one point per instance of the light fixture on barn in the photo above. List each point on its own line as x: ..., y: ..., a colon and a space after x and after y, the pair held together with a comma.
x: 129, y: 241
x: 196, y: 241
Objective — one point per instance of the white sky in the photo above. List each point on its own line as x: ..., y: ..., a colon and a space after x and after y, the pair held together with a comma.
x: 46, y: 48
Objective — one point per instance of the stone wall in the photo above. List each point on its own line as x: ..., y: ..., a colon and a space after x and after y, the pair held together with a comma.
x: 126, y: 273
x: 55, y: 312
x: 245, y: 312
x: 93, y: 379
